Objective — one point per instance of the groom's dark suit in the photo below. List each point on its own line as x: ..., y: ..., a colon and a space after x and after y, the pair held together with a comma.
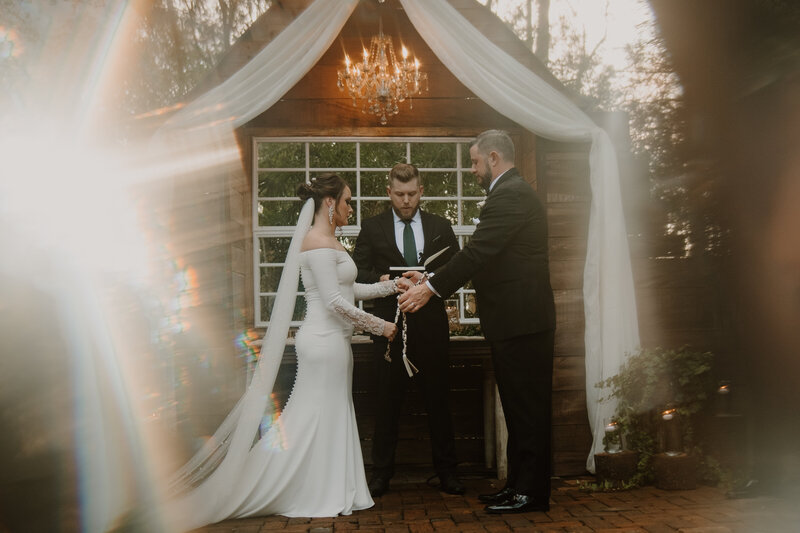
x: 428, y: 337
x: 506, y: 258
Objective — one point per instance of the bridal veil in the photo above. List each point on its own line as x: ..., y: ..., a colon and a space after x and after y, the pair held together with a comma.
x: 208, y: 478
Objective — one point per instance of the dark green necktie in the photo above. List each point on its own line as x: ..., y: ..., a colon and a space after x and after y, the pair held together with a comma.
x: 409, y: 245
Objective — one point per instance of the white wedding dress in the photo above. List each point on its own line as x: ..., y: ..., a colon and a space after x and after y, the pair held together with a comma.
x: 308, y: 463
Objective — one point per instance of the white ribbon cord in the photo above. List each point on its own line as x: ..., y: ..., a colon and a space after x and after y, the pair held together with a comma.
x: 410, y: 368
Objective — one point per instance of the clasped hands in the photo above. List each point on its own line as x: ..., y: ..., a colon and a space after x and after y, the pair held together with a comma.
x: 415, y: 297
x: 414, y: 294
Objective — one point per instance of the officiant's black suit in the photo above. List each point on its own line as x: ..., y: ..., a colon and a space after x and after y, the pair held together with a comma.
x: 507, y: 260
x: 428, y: 337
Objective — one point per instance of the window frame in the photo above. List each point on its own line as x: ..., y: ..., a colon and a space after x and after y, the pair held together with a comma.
x: 462, y: 231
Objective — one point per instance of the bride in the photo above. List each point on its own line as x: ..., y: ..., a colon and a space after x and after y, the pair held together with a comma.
x: 307, y: 462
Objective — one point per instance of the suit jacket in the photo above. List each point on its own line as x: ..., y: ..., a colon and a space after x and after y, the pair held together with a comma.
x: 506, y: 258
x: 376, y: 250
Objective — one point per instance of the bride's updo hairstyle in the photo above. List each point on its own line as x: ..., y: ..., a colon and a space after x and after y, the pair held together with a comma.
x: 322, y: 186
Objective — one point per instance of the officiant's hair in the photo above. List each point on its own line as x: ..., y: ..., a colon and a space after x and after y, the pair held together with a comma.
x: 495, y: 141
x: 404, y: 172
x: 321, y: 187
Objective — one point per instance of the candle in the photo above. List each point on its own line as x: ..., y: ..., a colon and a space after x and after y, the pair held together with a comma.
x: 724, y: 396
x: 613, y: 439
x: 672, y: 436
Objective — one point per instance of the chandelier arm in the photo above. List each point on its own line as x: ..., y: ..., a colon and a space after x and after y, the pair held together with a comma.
x: 379, y: 80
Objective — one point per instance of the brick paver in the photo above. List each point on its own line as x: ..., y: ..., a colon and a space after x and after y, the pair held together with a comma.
x: 415, y: 507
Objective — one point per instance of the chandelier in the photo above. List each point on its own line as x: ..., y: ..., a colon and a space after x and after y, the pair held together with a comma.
x: 380, y: 81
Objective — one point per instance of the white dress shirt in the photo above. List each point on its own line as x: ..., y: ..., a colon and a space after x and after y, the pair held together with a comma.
x: 416, y: 226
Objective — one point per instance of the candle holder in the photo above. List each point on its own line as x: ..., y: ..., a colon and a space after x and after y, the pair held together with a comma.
x: 615, y: 467
x: 672, y: 434
x: 613, y: 437
x: 724, y: 398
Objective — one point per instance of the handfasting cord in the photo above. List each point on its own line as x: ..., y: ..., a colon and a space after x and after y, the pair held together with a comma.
x: 410, y: 368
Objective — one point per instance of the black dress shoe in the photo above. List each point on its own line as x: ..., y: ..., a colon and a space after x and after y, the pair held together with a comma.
x: 518, y: 503
x: 497, y: 497
x: 450, y: 484
x: 378, y: 485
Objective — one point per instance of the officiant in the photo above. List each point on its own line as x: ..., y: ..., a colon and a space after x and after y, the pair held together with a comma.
x: 404, y: 236
x: 507, y: 261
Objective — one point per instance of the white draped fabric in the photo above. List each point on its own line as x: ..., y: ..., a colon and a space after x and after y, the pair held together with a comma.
x: 504, y: 84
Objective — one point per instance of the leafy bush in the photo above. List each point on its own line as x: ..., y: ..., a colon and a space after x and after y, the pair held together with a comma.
x: 650, y: 381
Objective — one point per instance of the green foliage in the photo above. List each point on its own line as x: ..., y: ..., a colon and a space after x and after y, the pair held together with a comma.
x: 651, y: 381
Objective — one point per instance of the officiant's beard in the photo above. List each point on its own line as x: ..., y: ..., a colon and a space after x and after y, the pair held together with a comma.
x: 484, y: 177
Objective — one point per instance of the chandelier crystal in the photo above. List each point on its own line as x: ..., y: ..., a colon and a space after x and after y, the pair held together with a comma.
x: 379, y: 80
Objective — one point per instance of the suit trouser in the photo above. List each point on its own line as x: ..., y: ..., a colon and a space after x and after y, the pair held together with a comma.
x: 432, y: 380
x: 523, y: 368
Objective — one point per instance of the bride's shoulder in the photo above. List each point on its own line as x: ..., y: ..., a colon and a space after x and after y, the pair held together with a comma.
x: 316, y: 241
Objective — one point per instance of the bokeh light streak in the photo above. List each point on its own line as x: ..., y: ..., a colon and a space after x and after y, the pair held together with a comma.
x: 89, y: 218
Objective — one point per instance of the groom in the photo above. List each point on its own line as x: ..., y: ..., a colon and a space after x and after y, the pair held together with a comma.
x: 506, y: 258
x: 401, y: 236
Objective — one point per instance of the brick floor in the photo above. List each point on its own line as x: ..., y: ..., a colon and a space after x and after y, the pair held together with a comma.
x: 412, y: 506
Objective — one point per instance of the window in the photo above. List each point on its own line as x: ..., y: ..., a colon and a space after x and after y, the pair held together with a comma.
x: 280, y: 165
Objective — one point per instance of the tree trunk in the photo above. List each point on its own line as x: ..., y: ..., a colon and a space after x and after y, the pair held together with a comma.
x: 543, y: 31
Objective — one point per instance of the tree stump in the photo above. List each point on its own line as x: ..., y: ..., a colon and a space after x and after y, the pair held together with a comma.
x: 675, y: 472
x: 615, y: 469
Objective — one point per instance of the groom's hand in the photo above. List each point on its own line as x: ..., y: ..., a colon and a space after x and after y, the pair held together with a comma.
x: 415, y: 298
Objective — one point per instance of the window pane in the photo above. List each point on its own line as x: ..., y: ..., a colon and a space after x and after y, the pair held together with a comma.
x: 382, y: 155
x: 299, y: 308
x: 440, y: 183
x: 466, y: 162
x: 373, y: 183
x: 470, y: 212
x: 266, y: 307
x: 445, y: 208
x: 268, y: 301
x: 279, y: 213
x: 332, y: 155
x: 350, y: 179
x: 373, y: 207
x: 270, y: 276
x: 432, y: 155
x: 279, y: 183
x: 470, y: 187
x: 273, y: 250
x: 281, y: 155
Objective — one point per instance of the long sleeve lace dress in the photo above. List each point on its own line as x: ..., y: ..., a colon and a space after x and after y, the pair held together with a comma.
x: 309, y: 461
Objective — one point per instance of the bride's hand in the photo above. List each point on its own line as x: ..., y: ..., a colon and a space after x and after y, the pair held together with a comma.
x: 414, y: 275
x: 389, y: 330
x: 403, y: 284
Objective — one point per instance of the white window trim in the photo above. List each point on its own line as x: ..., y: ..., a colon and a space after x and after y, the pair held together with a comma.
x: 460, y: 230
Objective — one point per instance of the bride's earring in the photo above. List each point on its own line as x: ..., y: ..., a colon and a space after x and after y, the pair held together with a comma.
x: 330, y: 214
